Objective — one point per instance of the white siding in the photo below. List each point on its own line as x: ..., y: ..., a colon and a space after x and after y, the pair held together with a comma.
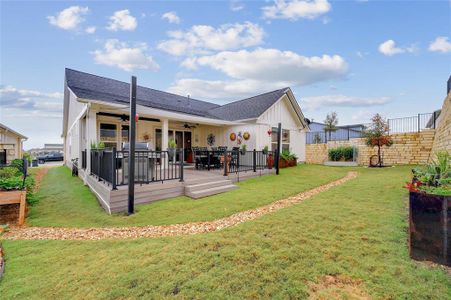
x: 283, y: 112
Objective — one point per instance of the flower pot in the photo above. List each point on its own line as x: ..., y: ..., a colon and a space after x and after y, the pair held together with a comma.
x: 270, y: 161
x: 430, y: 227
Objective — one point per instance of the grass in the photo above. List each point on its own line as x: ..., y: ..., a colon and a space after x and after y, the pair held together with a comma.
x: 357, y: 231
x: 65, y: 202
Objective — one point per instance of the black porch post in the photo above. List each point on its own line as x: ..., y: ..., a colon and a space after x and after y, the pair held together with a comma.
x: 279, y: 138
x: 131, y: 149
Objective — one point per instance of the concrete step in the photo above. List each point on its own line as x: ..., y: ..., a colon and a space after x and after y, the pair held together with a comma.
x: 206, y: 185
x: 211, y: 191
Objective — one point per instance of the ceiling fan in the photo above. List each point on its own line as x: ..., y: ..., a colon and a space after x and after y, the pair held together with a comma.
x: 188, y: 126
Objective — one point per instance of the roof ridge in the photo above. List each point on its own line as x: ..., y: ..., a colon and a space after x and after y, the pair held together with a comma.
x: 237, y: 101
x: 144, y: 87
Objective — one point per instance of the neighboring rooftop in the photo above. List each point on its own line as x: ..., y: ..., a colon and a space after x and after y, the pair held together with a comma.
x: 7, y: 129
x: 93, y: 87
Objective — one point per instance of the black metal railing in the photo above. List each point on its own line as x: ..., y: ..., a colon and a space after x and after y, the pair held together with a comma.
x: 413, y: 124
x: 416, y: 123
x: 234, y: 161
x: 83, y: 159
x: 111, y: 166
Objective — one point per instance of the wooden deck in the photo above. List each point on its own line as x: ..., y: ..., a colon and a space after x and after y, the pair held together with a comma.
x: 197, y: 183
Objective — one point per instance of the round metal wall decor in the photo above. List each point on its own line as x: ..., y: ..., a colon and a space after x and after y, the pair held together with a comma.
x: 211, y: 139
x: 233, y: 136
x: 246, y: 136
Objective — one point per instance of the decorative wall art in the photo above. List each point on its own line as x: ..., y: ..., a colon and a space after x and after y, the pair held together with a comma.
x: 239, y: 138
x: 211, y: 139
x: 246, y: 136
x: 233, y: 136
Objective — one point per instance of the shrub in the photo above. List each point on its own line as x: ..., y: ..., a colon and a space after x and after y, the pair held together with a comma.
x: 434, y: 178
x: 8, y: 172
x: 287, y: 155
x: 341, y: 153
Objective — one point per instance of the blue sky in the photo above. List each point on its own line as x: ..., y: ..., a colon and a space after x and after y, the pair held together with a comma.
x: 352, y: 57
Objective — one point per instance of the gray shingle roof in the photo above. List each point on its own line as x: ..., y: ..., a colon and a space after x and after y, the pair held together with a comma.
x: 93, y: 87
x: 248, y: 108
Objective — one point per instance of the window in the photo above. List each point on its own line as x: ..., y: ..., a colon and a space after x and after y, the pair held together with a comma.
x: 285, y: 145
x: 108, y: 132
x: 124, y: 133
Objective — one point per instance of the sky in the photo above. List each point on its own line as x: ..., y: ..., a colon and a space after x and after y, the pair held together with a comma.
x: 356, y: 58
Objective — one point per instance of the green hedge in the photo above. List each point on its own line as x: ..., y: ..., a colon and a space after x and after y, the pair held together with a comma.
x: 341, y: 153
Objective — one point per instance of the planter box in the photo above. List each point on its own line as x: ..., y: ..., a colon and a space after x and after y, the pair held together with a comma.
x: 287, y: 163
x: 430, y: 227
x: 13, y: 198
x: 341, y: 163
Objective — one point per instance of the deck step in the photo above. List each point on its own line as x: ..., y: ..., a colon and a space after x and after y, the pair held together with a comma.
x: 211, y: 191
x: 206, y: 185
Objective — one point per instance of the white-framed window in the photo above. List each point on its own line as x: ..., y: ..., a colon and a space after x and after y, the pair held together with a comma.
x: 285, y: 143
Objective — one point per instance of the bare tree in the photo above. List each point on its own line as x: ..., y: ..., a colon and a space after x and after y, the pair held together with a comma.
x: 331, y: 122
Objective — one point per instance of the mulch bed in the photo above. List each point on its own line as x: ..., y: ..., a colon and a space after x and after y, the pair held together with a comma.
x: 52, y: 233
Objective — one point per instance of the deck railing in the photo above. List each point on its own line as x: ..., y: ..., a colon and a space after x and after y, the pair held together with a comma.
x: 111, y: 166
x: 234, y: 161
x: 83, y: 159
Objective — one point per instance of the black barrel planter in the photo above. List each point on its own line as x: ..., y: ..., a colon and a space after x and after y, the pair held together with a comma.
x: 430, y: 227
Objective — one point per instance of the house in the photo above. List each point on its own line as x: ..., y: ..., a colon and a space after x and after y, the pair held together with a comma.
x: 11, y: 144
x: 48, y: 148
x: 96, y: 109
x: 318, y: 133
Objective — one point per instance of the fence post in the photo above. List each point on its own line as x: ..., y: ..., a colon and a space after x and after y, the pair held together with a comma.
x: 225, y: 162
x: 182, y: 158
x: 434, y: 116
x: 99, y: 165
x: 254, y: 159
x: 279, y: 140
x: 348, y: 133
x: 418, y: 122
x: 113, y: 168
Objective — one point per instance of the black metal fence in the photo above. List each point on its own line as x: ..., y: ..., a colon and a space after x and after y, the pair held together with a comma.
x: 234, y: 161
x: 397, y: 125
x: 83, y: 159
x: 111, y: 166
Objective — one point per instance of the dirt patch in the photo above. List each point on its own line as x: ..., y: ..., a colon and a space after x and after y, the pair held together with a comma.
x: 53, y: 233
x: 338, y: 287
x: 38, y: 176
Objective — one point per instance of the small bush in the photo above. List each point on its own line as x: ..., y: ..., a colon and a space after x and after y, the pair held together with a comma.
x: 8, y: 172
x: 287, y: 155
x: 341, y: 153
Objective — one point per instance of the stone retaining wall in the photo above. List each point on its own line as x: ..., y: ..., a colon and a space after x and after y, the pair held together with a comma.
x: 443, y: 132
x: 407, y: 148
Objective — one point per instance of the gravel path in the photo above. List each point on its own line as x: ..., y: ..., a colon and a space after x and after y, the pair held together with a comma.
x: 54, y: 233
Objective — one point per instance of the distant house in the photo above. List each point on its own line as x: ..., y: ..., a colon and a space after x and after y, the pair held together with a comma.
x: 318, y: 134
x: 48, y: 148
x: 11, y: 144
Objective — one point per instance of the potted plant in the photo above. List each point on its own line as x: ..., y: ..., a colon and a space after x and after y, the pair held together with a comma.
x: 265, y: 150
x: 243, y: 149
x: 429, y: 209
x: 172, y: 145
x: 287, y: 159
x: 270, y: 161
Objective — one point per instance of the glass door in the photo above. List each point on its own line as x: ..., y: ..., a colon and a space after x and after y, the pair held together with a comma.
x: 179, y: 142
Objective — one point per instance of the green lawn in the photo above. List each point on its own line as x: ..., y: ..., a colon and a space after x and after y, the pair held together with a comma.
x: 65, y: 202
x: 357, y: 230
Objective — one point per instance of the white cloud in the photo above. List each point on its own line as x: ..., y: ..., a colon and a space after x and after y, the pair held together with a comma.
x: 69, y: 18
x: 125, y: 57
x: 122, y: 20
x: 30, y: 101
x: 204, y: 38
x: 261, y: 70
x: 236, y: 5
x: 273, y: 65
x: 342, y: 100
x: 389, y: 48
x: 90, y: 29
x: 296, y: 9
x: 440, y: 44
x: 171, y: 17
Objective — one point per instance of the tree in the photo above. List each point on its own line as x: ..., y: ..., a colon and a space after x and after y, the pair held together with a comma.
x: 331, y: 122
x: 377, y: 135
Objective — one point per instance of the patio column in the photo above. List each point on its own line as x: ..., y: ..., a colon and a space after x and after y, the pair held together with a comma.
x: 91, y: 136
x: 165, y: 138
